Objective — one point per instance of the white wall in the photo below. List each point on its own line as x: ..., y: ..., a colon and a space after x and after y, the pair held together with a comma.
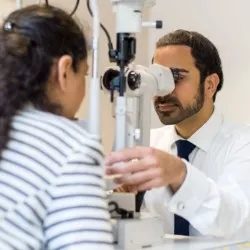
x: 226, y: 24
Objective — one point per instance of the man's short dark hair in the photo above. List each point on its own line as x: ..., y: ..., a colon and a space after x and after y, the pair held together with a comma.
x: 205, y: 54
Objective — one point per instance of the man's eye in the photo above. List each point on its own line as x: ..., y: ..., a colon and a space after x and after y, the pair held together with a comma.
x: 178, y: 78
x: 178, y: 74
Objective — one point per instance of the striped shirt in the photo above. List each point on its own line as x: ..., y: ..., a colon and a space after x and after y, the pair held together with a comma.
x: 52, y: 191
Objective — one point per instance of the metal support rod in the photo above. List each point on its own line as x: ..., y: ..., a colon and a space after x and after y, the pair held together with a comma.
x: 94, y: 126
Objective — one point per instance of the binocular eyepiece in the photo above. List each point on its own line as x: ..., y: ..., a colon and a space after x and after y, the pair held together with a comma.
x: 110, y: 79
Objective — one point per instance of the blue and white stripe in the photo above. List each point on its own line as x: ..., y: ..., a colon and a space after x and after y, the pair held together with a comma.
x: 52, y: 192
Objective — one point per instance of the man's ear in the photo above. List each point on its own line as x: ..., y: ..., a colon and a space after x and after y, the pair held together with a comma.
x: 212, y: 82
x: 64, y: 70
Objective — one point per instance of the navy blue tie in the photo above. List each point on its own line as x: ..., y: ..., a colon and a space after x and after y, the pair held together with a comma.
x: 184, y: 148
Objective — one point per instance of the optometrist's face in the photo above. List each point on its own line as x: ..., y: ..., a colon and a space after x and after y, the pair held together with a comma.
x: 187, y: 99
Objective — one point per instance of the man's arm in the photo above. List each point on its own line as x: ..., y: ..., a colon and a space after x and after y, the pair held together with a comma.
x: 217, y: 208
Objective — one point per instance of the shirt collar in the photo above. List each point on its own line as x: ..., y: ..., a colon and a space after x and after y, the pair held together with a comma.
x: 205, y: 135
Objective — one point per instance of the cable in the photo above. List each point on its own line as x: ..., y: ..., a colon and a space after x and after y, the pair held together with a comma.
x: 122, y: 212
x: 110, y: 45
x: 76, y: 7
x: 74, y: 10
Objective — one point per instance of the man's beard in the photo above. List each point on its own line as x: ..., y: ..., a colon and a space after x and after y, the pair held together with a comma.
x: 170, y: 117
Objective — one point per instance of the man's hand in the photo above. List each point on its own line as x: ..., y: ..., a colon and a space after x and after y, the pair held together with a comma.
x: 125, y: 189
x: 152, y: 168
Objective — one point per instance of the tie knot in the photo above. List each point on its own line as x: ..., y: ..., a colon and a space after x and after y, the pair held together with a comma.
x: 184, y: 148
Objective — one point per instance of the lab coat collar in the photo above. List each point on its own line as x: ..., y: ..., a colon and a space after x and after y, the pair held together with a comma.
x: 205, y: 135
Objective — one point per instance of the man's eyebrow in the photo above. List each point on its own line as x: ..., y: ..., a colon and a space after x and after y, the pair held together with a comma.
x: 180, y: 70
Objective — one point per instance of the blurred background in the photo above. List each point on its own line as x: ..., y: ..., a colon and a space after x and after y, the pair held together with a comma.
x: 224, y: 22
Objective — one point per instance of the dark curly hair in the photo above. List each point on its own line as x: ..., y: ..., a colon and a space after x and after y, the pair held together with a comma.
x: 204, y: 52
x: 31, y: 39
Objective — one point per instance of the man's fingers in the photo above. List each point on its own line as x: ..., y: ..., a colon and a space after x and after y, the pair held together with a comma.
x: 132, y: 166
x: 139, y: 177
x: 128, y: 155
x: 124, y: 189
x: 154, y: 183
x: 120, y: 189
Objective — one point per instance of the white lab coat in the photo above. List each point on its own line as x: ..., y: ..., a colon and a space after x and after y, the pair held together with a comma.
x: 215, y: 196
